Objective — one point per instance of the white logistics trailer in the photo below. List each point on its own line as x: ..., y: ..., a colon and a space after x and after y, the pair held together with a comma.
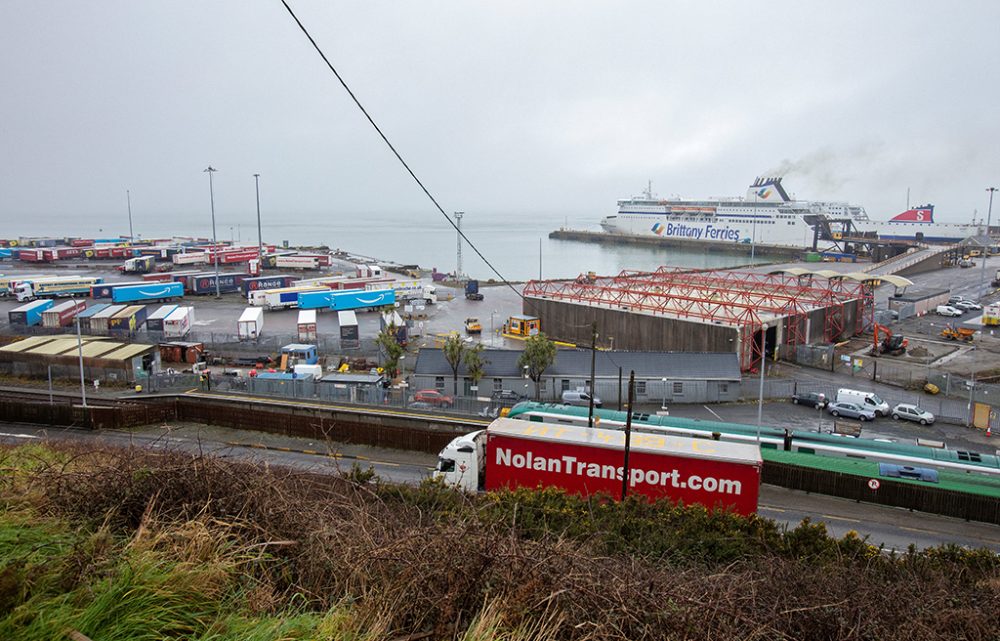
x: 250, y: 324
x: 307, y: 326
x: 178, y: 323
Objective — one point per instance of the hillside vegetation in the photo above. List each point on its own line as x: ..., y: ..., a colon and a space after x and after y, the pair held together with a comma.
x: 132, y: 545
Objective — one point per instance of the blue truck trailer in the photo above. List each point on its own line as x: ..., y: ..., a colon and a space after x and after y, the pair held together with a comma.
x: 103, y: 290
x: 146, y: 292
x: 346, y: 300
x: 29, y: 314
x: 204, y: 283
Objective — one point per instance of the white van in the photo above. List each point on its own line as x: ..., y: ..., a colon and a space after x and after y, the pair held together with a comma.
x: 868, y: 400
x: 579, y: 398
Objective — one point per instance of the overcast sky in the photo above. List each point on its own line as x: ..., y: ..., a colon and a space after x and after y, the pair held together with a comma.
x: 549, y: 107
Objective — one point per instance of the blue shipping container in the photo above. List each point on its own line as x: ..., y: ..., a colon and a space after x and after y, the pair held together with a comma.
x: 30, y: 313
x: 359, y: 300
x: 146, y: 292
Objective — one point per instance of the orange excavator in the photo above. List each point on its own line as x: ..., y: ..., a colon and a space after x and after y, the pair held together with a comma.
x: 885, y: 342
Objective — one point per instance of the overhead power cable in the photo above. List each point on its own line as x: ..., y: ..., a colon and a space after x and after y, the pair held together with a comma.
x: 398, y: 156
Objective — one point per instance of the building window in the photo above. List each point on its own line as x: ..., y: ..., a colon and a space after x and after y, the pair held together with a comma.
x: 678, y: 387
x: 439, y: 383
x: 497, y: 384
x: 467, y: 384
x: 640, y: 388
x: 544, y: 386
x: 723, y: 388
x: 565, y: 385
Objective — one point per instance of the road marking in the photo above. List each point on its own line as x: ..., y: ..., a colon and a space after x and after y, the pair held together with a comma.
x: 840, y: 518
x: 712, y: 411
x: 19, y: 435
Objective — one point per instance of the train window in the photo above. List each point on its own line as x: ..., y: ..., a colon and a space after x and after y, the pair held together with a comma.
x: 640, y: 417
x: 770, y: 446
x: 974, y: 457
x: 806, y: 450
x: 536, y: 418
x: 856, y: 456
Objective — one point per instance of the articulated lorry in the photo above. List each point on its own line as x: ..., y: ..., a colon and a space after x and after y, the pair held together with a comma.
x: 511, y: 453
x: 146, y: 292
x: 31, y: 288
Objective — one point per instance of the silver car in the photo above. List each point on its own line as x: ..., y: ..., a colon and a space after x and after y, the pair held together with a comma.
x: 850, y: 410
x: 908, y: 412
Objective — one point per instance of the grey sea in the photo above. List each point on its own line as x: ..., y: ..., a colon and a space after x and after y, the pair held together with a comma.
x: 516, y: 244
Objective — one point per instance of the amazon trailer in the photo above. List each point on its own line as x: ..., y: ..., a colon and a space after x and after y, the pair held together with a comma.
x: 146, y: 292
x: 306, y: 325
x: 154, y: 322
x: 585, y: 461
x: 62, y: 314
x: 350, y: 336
x: 250, y: 324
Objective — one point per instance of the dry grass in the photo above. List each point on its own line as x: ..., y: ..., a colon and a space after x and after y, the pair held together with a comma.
x: 393, y: 562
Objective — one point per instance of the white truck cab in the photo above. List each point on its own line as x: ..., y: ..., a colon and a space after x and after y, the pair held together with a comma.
x: 462, y: 462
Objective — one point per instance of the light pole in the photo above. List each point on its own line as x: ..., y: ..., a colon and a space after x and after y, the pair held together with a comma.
x: 493, y: 335
x: 260, y: 236
x: 989, y: 243
x: 215, y: 243
x: 663, y: 405
x: 79, y: 349
x: 763, y: 361
x: 128, y: 198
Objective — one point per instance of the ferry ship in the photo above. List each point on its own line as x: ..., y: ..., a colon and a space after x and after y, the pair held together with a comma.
x: 768, y: 216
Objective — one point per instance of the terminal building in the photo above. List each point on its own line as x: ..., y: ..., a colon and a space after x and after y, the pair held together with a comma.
x: 749, y: 314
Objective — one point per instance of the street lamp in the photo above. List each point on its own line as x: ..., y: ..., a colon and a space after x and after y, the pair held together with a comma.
x: 128, y: 198
x: 989, y: 243
x: 763, y: 361
x: 260, y: 237
x: 215, y: 243
x: 79, y: 349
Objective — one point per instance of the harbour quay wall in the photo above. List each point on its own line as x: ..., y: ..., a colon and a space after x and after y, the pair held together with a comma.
x: 761, y: 249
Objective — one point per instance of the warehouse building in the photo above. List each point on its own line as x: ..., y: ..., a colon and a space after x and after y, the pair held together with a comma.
x: 661, y: 377
x: 745, y: 313
x: 103, y: 360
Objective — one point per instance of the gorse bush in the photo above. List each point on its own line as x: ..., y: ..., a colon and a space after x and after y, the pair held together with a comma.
x: 126, y: 544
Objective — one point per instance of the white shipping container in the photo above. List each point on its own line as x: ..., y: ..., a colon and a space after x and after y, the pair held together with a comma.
x: 307, y: 326
x: 191, y: 258
x: 250, y: 324
x: 179, y: 322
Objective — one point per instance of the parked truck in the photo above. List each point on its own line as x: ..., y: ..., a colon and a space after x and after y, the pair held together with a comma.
x: 139, y: 265
x: 296, y: 262
x: 29, y: 314
x: 104, y: 290
x: 84, y: 317
x: 146, y: 292
x: 62, y: 314
x: 128, y: 321
x: 205, y: 283
x: 472, y: 290
x: 179, y: 322
x: 585, y: 461
x: 284, y: 298
x: 991, y: 315
x: 266, y: 282
x: 306, y: 326
x: 250, y: 324
x: 100, y: 321
x: 32, y: 288
x: 10, y: 281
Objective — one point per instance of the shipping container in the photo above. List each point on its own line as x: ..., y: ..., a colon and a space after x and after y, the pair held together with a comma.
x: 306, y: 325
x: 181, y: 352
x: 104, y: 290
x: 31, y: 255
x: 154, y: 322
x: 128, y: 321
x: 99, y: 321
x: 146, y: 292
x: 30, y: 313
x: 250, y: 324
x: 85, y: 316
x: 350, y: 335
x: 296, y: 262
x: 204, y: 283
x: 62, y: 314
x: 179, y: 322
x: 232, y: 256
x: 266, y: 282
x: 512, y: 454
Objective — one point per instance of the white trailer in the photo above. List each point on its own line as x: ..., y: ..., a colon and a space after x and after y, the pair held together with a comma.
x: 407, y: 290
x: 283, y: 298
x: 178, y: 323
x: 191, y: 258
x: 296, y: 262
x: 250, y: 324
x: 307, y: 326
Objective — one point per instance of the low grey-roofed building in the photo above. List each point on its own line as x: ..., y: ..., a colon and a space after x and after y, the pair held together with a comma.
x: 661, y: 377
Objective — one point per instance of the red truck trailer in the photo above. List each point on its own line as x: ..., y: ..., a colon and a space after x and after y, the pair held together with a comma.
x: 512, y: 453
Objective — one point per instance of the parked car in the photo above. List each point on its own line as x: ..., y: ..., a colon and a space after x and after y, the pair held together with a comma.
x: 421, y: 406
x: 954, y: 299
x: 850, y: 410
x: 948, y: 310
x: 812, y: 399
x: 579, y: 398
x: 507, y: 398
x: 913, y: 413
x: 434, y: 397
x: 967, y: 305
